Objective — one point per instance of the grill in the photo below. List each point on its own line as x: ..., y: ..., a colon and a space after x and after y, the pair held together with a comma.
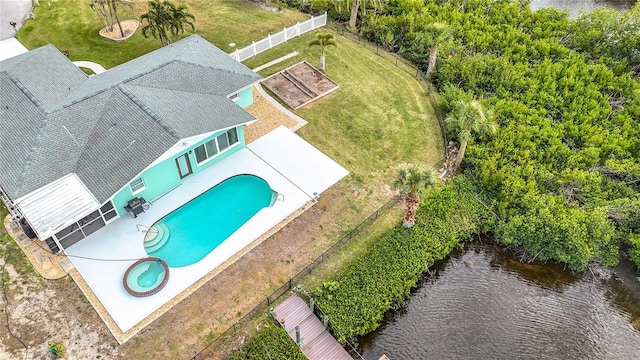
x: 135, y: 206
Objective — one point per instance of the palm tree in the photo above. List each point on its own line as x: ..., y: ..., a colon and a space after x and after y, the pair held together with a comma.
x: 114, y: 5
x: 107, y: 11
x: 166, y: 21
x: 179, y: 18
x: 468, y: 117
x: 362, y: 6
x: 433, y: 35
x: 411, y: 181
x: 323, y: 40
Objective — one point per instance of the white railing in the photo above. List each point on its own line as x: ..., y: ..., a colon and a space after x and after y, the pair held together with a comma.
x: 272, y: 40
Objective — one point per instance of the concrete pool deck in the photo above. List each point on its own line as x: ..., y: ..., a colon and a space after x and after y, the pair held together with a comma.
x: 289, y: 164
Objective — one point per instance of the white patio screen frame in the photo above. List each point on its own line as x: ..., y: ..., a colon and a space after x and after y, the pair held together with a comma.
x: 273, y: 40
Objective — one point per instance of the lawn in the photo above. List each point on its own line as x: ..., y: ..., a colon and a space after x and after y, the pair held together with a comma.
x: 72, y: 26
x: 378, y: 118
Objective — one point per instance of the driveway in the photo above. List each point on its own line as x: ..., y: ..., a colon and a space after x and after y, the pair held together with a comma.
x: 13, y: 11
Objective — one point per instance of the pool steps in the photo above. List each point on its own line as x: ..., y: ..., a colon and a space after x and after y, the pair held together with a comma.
x: 156, y: 238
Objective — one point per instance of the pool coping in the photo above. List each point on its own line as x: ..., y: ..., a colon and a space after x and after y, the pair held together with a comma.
x: 157, y: 288
x: 122, y: 337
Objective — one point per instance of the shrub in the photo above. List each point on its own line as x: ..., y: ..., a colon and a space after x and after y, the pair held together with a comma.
x: 383, y: 277
x: 270, y: 342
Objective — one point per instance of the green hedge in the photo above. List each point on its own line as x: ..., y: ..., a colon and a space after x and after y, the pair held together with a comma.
x: 382, y: 278
x: 271, y: 342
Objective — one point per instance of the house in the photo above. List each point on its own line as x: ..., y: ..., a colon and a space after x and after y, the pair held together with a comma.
x: 76, y: 149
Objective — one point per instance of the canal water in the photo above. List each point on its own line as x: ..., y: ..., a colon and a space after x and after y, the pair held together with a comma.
x: 483, y: 303
x: 574, y: 6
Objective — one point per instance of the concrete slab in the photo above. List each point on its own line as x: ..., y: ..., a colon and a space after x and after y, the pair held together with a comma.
x: 13, y: 11
x: 103, y: 257
x: 307, y: 167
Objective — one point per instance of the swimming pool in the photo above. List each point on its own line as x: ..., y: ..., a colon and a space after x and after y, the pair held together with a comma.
x: 191, y: 232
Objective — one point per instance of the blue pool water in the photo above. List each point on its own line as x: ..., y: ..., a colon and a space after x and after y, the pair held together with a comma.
x: 192, y: 231
x: 150, y: 276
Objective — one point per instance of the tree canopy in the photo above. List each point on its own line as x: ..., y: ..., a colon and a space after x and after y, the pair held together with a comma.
x: 563, y: 173
x: 166, y: 21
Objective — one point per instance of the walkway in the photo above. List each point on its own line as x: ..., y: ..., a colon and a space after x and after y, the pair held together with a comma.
x: 317, y: 342
x: 10, y: 48
x: 13, y: 11
x: 96, y: 68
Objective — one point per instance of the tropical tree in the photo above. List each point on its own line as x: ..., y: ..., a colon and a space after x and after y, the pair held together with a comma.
x: 433, y: 35
x: 468, y: 117
x: 179, y: 19
x: 361, y: 5
x: 323, y: 40
x: 412, y: 181
x: 107, y: 11
x: 166, y: 21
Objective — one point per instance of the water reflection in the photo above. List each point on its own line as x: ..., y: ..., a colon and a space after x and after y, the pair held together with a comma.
x: 484, y: 304
x: 574, y: 6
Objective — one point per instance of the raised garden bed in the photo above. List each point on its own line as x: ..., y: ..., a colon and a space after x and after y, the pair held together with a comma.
x: 300, y: 84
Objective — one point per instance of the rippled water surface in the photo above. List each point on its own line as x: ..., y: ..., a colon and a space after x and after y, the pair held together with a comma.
x: 574, y: 6
x: 484, y: 304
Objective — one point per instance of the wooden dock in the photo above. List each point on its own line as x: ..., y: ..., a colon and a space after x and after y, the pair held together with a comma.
x: 317, y: 342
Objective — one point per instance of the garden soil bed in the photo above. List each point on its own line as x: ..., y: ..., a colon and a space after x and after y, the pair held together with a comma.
x: 300, y: 84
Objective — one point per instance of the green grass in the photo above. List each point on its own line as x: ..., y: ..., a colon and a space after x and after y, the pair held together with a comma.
x: 11, y: 254
x: 72, y: 26
x: 378, y: 118
x: 359, y: 245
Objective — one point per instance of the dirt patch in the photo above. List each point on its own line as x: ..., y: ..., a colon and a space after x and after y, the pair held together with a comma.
x: 129, y: 27
x: 300, y: 84
x: 35, y: 313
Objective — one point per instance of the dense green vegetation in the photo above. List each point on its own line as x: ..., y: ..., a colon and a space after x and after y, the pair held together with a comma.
x: 381, y: 279
x: 271, y: 342
x: 563, y: 173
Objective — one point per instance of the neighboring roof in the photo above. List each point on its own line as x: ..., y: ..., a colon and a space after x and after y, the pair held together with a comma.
x: 57, y: 205
x: 109, y: 127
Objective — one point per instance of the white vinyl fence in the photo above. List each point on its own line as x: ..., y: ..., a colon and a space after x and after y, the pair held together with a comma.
x: 270, y: 41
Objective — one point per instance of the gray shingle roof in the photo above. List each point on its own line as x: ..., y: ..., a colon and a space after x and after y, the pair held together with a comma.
x: 107, y: 128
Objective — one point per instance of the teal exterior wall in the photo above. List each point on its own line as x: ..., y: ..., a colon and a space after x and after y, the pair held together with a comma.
x: 164, y: 176
x: 245, y: 98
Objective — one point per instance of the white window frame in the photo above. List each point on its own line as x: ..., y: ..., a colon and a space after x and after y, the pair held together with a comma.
x: 215, y: 141
x: 137, y: 191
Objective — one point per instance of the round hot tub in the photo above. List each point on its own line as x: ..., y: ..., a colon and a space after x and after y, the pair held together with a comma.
x: 146, y: 277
